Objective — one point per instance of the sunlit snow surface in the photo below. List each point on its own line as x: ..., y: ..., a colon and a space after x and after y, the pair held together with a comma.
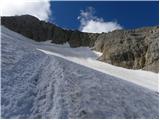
x: 44, y: 80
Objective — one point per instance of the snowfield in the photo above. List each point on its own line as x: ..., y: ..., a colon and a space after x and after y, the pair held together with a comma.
x: 44, y: 80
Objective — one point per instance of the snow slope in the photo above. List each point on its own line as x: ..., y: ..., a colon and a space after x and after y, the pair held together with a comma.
x: 86, y: 57
x: 41, y: 80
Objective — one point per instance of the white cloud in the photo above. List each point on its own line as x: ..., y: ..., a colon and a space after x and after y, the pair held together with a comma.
x: 37, y: 8
x: 93, y: 24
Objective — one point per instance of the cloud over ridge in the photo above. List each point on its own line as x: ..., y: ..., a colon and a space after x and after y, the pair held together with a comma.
x: 94, y: 24
x: 38, y: 8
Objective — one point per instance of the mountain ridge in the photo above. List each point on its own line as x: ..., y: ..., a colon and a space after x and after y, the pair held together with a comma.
x: 133, y: 49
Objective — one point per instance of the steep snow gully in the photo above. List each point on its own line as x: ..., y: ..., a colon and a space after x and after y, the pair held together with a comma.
x: 38, y: 83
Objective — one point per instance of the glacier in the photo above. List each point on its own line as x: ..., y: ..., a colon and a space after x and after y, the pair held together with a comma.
x: 44, y: 80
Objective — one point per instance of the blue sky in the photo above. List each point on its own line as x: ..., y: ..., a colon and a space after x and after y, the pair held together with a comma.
x: 88, y: 16
x: 128, y: 14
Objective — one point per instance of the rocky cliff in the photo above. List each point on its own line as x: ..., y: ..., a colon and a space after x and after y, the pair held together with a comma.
x: 133, y: 49
x: 33, y: 28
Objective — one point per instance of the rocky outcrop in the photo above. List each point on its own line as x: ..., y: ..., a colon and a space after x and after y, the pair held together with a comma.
x: 82, y: 39
x: 33, y: 28
x: 133, y: 49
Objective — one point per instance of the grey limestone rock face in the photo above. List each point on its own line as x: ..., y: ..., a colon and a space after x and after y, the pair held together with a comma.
x: 33, y: 28
x: 133, y: 49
